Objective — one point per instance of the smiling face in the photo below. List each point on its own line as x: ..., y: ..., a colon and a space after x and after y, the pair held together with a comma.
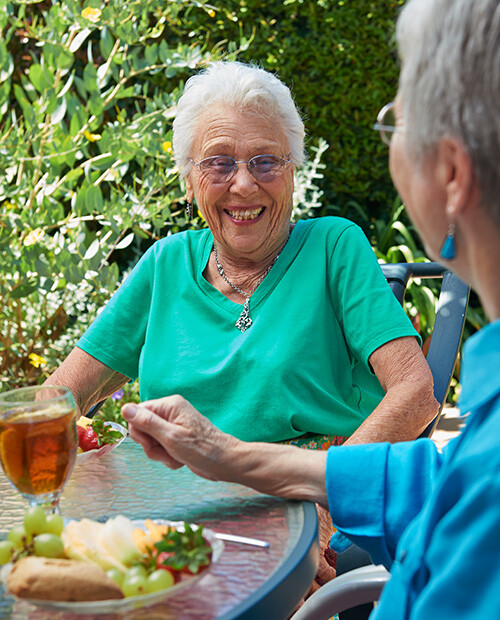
x: 248, y: 218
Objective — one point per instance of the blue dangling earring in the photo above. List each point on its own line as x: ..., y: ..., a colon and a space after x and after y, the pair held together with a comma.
x: 448, y: 251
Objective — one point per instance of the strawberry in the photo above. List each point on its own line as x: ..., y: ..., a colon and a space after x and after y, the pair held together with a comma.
x: 81, y: 432
x: 96, y: 435
x: 88, y: 440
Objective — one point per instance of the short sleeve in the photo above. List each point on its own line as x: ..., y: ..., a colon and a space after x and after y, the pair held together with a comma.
x: 369, y: 312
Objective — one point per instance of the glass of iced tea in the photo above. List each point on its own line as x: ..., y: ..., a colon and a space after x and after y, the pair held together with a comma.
x: 38, y: 441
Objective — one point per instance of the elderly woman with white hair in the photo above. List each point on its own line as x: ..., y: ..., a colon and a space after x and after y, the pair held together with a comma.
x: 278, y: 332
x: 432, y: 518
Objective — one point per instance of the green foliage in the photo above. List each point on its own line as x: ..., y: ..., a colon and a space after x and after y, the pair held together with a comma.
x: 393, y: 240
x: 307, y: 197
x: 87, y: 97
x: 111, y: 409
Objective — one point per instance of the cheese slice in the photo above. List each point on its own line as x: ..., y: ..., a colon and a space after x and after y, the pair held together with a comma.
x: 83, y: 421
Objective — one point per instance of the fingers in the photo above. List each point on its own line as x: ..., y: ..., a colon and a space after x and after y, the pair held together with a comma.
x: 143, y: 428
x: 186, y: 437
x: 169, y: 407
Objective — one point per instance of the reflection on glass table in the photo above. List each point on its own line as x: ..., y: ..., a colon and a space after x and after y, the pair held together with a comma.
x: 247, y: 581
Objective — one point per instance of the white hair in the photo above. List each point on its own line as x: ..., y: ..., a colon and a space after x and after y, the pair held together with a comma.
x: 450, y: 83
x: 244, y: 87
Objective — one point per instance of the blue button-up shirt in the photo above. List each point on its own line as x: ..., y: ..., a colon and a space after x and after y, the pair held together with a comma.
x: 433, y: 519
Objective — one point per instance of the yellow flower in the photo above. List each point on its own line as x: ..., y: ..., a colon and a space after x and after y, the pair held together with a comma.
x: 93, y: 15
x: 167, y: 147
x: 36, y: 360
x: 33, y: 237
x: 91, y: 137
x: 211, y: 13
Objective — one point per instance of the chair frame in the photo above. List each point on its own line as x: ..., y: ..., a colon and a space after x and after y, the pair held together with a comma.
x: 362, y: 585
x: 448, y: 325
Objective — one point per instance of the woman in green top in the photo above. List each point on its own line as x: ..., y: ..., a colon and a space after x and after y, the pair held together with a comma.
x: 275, y: 331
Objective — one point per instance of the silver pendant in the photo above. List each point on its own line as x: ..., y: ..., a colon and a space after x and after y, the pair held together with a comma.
x: 244, y: 321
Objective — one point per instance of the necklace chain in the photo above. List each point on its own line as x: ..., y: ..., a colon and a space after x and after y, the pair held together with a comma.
x: 244, y: 321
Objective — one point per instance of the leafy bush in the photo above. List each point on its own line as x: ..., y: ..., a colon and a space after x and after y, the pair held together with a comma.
x: 86, y: 103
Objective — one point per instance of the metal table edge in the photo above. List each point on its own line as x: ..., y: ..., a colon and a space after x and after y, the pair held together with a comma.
x: 266, y: 603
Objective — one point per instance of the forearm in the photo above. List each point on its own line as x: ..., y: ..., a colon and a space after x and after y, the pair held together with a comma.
x: 402, y: 415
x: 284, y: 471
x: 89, y: 380
x: 409, y: 404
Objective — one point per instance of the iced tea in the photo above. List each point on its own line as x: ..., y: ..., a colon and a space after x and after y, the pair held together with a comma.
x: 37, y: 451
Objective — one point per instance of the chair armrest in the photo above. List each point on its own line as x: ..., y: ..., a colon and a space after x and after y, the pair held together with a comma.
x: 359, y: 586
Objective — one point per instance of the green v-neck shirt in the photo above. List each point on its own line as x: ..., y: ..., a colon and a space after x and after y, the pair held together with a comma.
x: 301, y: 367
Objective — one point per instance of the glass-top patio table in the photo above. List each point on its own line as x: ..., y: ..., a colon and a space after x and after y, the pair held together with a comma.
x: 247, y: 582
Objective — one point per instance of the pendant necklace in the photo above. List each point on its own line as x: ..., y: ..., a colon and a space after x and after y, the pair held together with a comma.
x: 244, y: 321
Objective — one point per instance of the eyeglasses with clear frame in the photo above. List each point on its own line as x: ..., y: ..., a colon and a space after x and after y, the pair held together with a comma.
x: 386, y: 123
x: 221, y: 168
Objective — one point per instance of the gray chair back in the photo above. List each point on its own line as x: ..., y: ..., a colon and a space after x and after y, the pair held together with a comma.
x: 448, y: 326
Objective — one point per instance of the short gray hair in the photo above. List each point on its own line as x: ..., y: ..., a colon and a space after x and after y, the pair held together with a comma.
x: 450, y: 82
x: 244, y: 87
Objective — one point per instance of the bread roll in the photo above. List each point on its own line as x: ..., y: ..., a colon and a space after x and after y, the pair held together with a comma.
x: 60, y: 580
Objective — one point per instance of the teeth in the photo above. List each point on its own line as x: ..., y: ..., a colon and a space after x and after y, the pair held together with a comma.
x: 251, y: 214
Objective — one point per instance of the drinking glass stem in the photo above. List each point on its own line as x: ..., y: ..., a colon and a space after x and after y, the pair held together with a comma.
x: 49, y: 504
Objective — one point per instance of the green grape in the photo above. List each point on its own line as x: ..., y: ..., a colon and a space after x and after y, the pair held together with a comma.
x: 136, y: 571
x: 134, y: 585
x: 35, y: 520
x: 116, y: 575
x: 160, y: 580
x: 6, y: 546
x: 54, y: 524
x: 18, y: 536
x: 48, y: 546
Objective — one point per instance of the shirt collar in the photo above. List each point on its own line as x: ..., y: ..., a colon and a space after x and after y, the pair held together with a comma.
x: 480, y: 377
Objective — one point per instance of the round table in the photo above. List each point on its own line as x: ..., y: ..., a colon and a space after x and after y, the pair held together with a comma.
x: 247, y: 582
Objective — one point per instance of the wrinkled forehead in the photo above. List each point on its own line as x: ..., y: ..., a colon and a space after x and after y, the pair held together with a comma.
x: 234, y: 130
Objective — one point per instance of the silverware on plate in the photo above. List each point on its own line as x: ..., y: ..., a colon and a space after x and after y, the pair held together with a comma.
x: 242, y: 539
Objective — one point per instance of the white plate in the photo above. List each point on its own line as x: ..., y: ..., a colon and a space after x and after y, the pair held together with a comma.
x: 83, y: 457
x: 134, y: 602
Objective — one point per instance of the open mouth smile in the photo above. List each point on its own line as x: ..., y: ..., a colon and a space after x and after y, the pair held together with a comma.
x: 245, y: 214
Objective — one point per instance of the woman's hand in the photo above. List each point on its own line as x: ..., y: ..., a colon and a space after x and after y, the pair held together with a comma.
x: 171, y: 431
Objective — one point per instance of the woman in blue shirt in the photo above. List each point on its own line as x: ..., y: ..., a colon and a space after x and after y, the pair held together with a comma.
x: 427, y: 516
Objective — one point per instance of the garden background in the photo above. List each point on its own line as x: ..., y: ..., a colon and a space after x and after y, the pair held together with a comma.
x: 87, y: 180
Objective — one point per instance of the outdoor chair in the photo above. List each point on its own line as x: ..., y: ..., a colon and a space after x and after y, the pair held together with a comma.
x: 362, y: 585
x: 352, y: 591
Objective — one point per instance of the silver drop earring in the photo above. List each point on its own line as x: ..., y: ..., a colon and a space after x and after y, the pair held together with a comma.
x: 189, y: 210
